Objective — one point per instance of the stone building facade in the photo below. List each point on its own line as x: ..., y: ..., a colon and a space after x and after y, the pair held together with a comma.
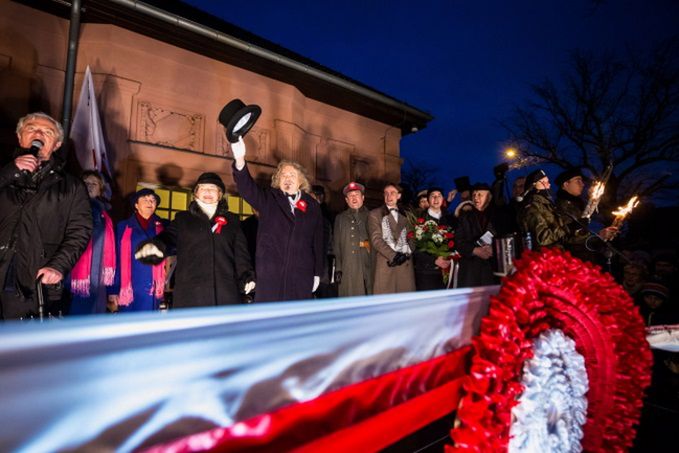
x: 159, y: 103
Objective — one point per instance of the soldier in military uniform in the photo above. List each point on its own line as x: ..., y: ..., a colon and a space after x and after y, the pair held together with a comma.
x: 353, y: 261
x: 549, y: 226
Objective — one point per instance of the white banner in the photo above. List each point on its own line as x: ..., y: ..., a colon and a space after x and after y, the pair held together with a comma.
x: 87, y: 135
x: 120, y: 382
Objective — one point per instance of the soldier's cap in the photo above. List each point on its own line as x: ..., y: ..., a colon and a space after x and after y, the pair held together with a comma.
x: 422, y: 194
x: 353, y: 186
x: 567, y: 175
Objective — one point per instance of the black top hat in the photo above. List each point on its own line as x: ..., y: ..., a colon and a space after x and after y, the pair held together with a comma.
x: 462, y: 183
x: 238, y: 118
x: 480, y: 186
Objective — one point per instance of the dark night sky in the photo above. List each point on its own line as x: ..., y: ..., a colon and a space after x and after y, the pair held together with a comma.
x: 465, y: 62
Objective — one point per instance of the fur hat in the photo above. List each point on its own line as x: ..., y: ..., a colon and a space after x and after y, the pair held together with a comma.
x: 210, y: 178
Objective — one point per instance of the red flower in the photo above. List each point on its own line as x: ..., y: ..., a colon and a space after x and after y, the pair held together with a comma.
x: 220, y: 221
x: 449, y: 235
x: 554, y: 290
x: 420, y: 220
x: 301, y: 205
x: 411, y: 234
x: 443, y: 227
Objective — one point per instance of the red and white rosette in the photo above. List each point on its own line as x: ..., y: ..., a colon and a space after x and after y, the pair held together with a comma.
x: 561, y: 363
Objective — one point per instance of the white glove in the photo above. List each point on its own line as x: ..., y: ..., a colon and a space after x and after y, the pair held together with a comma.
x: 238, y: 150
x: 317, y: 280
x: 249, y: 286
x: 148, y: 250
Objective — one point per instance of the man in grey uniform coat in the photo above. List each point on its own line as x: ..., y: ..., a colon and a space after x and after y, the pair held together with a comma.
x: 353, y: 262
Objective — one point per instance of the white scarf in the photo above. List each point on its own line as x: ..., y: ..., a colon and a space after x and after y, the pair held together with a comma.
x: 293, y: 200
x: 436, y: 215
x: 399, y: 246
x: 208, y: 208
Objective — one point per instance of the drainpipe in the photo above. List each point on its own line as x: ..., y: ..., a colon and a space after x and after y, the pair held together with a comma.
x: 71, y: 55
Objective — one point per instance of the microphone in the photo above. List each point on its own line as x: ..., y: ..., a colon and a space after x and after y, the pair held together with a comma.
x: 36, y: 146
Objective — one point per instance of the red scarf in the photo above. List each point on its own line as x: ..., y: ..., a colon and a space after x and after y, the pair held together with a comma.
x: 126, y: 295
x: 81, y: 273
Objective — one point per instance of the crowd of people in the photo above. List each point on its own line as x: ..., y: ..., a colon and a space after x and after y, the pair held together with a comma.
x: 61, y: 252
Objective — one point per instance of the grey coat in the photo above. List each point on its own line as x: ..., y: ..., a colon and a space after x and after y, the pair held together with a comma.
x: 352, y: 253
x: 387, y: 279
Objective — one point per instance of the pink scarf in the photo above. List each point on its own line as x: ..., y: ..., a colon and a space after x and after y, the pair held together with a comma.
x: 81, y: 272
x: 126, y: 295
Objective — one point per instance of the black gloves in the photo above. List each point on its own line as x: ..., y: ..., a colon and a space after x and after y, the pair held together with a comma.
x: 398, y: 259
x: 338, y: 277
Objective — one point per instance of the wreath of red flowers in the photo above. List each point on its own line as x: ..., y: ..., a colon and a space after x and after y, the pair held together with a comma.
x: 551, y: 289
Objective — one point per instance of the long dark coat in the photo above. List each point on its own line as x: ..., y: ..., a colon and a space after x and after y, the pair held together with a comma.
x: 352, y: 252
x: 290, y: 248
x: 47, y: 224
x: 474, y: 271
x: 212, y: 268
x: 428, y: 275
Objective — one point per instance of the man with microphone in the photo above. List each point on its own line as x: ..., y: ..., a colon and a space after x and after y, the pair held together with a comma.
x: 45, y: 219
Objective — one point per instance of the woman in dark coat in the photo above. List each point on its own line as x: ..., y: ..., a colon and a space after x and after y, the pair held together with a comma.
x: 429, y: 268
x: 213, y: 263
x: 290, y: 250
x: 476, y: 264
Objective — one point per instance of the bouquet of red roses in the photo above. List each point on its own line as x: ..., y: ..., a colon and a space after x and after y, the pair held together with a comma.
x: 434, y: 239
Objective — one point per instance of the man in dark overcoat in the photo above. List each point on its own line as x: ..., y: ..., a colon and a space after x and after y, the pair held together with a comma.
x: 290, y: 250
x: 45, y: 219
x: 353, y: 259
x: 213, y: 262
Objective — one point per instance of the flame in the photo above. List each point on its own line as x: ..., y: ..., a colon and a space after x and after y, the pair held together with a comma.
x: 598, y: 190
x: 623, y: 211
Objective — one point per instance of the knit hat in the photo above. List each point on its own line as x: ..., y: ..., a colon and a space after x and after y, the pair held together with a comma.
x: 211, y: 178
x: 655, y: 288
x: 142, y: 193
x: 353, y: 186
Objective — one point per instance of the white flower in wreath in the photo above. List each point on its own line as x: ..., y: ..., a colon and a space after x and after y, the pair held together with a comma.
x: 552, y: 409
x: 438, y: 238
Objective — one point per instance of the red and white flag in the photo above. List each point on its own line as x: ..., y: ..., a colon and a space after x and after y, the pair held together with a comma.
x: 87, y: 135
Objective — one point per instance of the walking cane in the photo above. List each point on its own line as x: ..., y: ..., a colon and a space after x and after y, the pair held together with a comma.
x: 41, y: 299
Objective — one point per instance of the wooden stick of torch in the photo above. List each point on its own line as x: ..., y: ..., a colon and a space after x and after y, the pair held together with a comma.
x: 623, y: 211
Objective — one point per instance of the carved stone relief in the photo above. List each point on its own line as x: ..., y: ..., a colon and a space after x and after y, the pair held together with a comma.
x: 257, y: 142
x: 159, y: 125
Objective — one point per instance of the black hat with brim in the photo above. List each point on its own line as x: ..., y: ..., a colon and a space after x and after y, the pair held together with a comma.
x: 142, y: 193
x: 238, y: 118
x: 211, y: 178
x: 567, y: 175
